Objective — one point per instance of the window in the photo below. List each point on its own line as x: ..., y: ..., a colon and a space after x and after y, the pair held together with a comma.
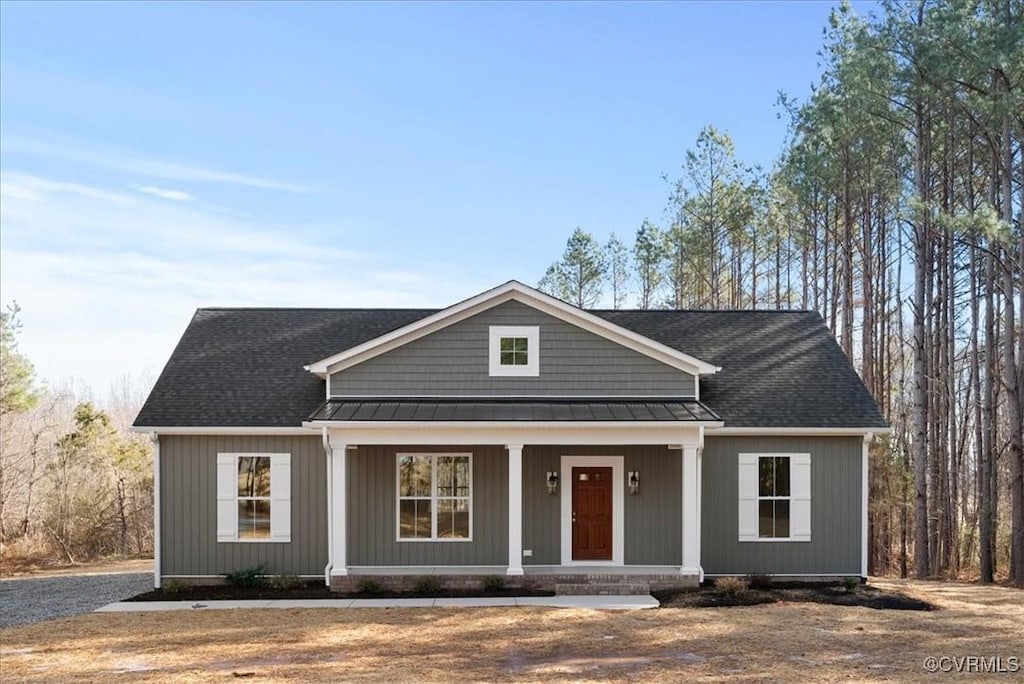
x: 253, y: 497
x: 774, y: 497
x: 514, y: 350
x: 434, y: 497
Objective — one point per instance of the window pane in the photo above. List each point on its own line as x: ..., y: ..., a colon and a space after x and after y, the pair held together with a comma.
x: 519, y: 344
x: 507, y: 344
x: 414, y: 476
x: 765, y: 519
x: 782, y: 476
x: 414, y: 519
x: 452, y: 476
x: 453, y: 519
x: 519, y: 358
x: 254, y: 519
x: 765, y: 476
x: 508, y: 358
x: 781, y: 518
x: 254, y: 476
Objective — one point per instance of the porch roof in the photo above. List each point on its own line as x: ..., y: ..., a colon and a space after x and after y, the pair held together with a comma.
x: 513, y: 410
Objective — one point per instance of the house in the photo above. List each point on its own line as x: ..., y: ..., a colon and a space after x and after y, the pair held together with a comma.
x: 510, y: 434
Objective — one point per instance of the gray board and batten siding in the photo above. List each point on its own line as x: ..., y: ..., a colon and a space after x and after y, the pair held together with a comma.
x: 453, y: 361
x: 188, y: 507
x: 836, y: 499
x: 653, y: 517
x: 373, y: 501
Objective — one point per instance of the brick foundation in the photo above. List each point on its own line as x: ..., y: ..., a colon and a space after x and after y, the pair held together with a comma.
x: 568, y: 584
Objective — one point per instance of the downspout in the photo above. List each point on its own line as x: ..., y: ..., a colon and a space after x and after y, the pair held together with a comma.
x: 330, y: 511
x: 155, y: 439
x: 700, y: 489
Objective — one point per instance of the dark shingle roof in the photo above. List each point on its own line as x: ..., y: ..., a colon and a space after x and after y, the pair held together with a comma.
x: 779, y: 368
x: 244, y: 367
x: 473, y: 410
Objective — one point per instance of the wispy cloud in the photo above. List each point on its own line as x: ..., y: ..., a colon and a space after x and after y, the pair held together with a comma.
x: 165, y: 193
x: 129, y: 162
x: 108, y: 279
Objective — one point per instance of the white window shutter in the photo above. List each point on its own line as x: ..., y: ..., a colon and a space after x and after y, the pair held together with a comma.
x: 800, y: 497
x: 280, y: 497
x: 747, y: 497
x: 227, y: 505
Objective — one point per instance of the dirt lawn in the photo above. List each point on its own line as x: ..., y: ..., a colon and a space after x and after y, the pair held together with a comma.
x: 786, y: 642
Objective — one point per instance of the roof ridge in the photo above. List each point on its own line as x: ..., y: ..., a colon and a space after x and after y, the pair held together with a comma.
x: 313, y: 308
x: 435, y: 309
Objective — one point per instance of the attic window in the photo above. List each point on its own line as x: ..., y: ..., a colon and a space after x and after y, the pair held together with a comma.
x: 514, y: 351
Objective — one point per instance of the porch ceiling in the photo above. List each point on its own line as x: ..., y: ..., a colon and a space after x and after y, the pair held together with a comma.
x: 342, y: 410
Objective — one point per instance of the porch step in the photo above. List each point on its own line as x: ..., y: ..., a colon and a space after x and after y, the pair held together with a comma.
x: 602, y: 589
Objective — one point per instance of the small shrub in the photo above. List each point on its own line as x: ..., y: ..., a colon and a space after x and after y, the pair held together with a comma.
x: 427, y: 585
x: 368, y: 586
x: 731, y: 586
x: 285, y: 582
x: 175, y: 586
x: 493, y: 583
x: 851, y: 584
x: 247, y: 577
x: 762, y: 582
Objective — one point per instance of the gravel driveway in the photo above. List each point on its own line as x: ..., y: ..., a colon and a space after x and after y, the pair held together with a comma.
x: 34, y: 599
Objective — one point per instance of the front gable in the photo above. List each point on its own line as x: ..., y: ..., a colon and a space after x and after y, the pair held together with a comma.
x: 457, y: 360
x: 450, y: 353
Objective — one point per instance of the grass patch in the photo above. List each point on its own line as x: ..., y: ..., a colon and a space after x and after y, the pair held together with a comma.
x: 785, y: 642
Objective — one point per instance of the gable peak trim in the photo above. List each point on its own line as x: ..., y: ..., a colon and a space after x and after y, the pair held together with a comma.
x: 512, y: 290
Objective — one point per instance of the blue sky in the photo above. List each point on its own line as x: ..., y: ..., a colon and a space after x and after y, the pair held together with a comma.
x: 160, y: 157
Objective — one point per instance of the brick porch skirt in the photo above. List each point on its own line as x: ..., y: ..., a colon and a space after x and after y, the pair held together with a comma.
x: 562, y: 584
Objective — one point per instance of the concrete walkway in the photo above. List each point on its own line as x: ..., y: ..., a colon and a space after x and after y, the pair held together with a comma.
x: 593, y: 602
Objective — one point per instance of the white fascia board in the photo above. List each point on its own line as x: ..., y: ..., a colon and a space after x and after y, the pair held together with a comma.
x: 794, y: 431
x: 512, y: 290
x: 451, y: 433
x: 223, y: 430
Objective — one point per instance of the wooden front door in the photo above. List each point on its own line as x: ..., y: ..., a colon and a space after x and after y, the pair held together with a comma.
x: 591, y: 513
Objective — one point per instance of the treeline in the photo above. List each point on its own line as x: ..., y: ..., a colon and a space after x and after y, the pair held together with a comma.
x: 75, y: 485
x: 894, y: 210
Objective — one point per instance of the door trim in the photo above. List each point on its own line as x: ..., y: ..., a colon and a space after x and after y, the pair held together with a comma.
x: 618, y: 506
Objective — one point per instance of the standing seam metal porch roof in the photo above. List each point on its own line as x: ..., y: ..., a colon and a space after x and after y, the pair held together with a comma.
x: 513, y: 410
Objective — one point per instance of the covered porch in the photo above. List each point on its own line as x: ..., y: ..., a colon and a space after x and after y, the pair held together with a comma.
x: 608, y: 502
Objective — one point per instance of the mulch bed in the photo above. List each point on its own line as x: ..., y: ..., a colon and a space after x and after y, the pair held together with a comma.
x: 314, y: 589
x: 792, y: 592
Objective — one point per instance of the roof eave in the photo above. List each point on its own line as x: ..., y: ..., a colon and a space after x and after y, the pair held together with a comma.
x: 557, y: 424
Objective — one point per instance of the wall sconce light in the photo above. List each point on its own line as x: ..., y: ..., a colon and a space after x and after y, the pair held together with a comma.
x: 552, y: 482
x: 634, y: 482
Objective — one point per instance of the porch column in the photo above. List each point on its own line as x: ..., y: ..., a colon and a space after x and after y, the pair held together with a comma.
x: 337, y: 505
x: 691, y: 511
x: 515, y: 509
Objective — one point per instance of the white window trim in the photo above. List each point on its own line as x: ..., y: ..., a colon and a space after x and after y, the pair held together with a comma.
x: 532, y: 335
x: 799, y: 504
x: 433, y: 498
x: 280, y: 499
x: 618, y: 506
